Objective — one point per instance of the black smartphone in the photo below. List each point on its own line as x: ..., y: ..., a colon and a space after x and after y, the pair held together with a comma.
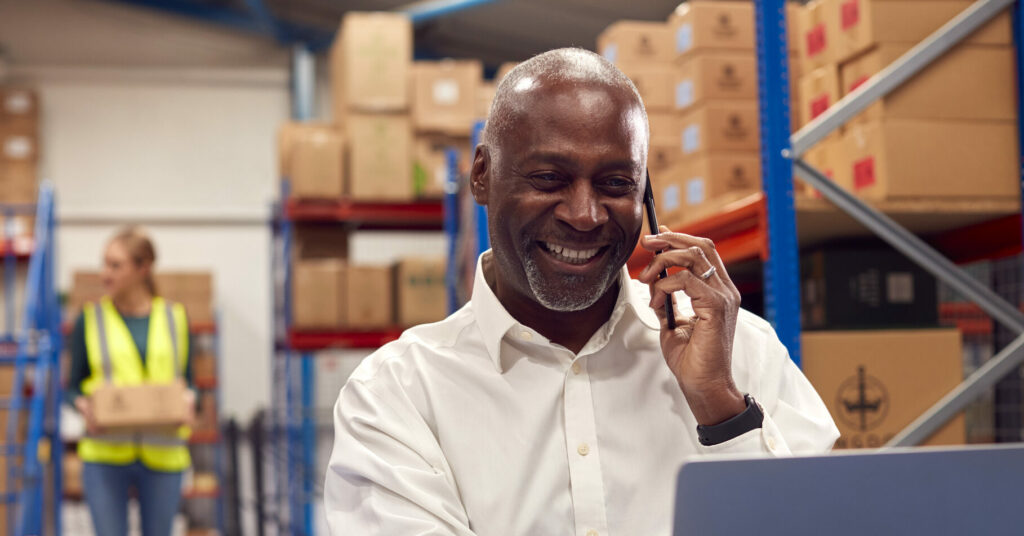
x: 652, y: 223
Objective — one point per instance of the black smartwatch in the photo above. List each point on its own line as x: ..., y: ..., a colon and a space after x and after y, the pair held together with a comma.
x: 750, y: 419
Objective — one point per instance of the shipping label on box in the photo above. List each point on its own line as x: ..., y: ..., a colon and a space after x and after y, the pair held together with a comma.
x: 420, y: 291
x: 819, y: 90
x: 316, y: 165
x: 863, y: 24
x: 140, y: 406
x: 370, y: 63
x: 19, y: 110
x: 380, y: 157
x: 445, y: 96
x: 875, y: 383
x: 19, y: 146
x: 654, y: 82
x: 632, y: 42
x: 319, y: 293
x: 368, y: 299
x: 933, y: 159
x: 430, y: 163
x: 967, y: 83
x: 720, y: 126
x: 698, y: 26
x: 715, y: 76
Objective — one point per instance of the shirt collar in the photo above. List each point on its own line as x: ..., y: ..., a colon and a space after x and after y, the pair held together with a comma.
x: 494, y: 321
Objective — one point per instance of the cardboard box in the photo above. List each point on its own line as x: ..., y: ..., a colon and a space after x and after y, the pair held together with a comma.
x: 664, y: 128
x: 420, y: 290
x: 206, y: 414
x: 662, y: 155
x: 140, y: 406
x: 634, y: 42
x: 316, y: 163
x: 863, y: 24
x: 720, y: 126
x: 318, y: 293
x: 792, y: 27
x: 484, y: 97
x: 875, y: 383
x: 18, y: 182
x: 695, y: 181
x: 19, y: 146
x: 370, y: 62
x: 819, y: 90
x: 968, y: 82
x: 204, y: 367
x: 320, y: 242
x: 19, y: 109
x: 430, y: 163
x: 715, y: 76
x: 864, y: 287
x: 194, y: 290
x: 827, y: 157
x: 72, y: 475
x: 380, y: 157
x: 705, y: 25
x: 6, y: 381
x: 654, y: 82
x: 445, y: 96
x: 892, y: 159
x: 369, y: 301
x: 817, y: 26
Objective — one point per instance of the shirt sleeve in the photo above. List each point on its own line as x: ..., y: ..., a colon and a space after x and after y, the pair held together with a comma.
x: 796, y: 420
x: 79, y: 369
x: 387, y: 474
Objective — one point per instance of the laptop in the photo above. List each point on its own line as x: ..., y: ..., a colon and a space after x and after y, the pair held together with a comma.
x: 929, y: 491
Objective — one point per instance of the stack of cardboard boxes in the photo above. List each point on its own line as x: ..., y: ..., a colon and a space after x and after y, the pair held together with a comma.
x: 193, y: 289
x: 19, y: 152
x: 697, y: 74
x: 447, y: 102
x: 947, y: 133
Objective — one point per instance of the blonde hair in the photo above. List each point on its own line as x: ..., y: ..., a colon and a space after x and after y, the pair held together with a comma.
x: 140, y: 248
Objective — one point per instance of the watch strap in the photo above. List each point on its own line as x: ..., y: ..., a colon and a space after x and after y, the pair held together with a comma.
x: 750, y: 419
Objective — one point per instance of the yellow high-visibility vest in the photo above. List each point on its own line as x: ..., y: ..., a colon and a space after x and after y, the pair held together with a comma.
x: 113, y: 357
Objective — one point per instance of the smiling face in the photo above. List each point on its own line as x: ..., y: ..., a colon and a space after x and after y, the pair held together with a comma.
x: 563, y: 188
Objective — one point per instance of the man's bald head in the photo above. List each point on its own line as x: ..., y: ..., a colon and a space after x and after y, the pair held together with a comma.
x: 574, y: 66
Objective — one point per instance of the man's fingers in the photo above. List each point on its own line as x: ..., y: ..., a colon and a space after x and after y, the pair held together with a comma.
x: 698, y: 290
x: 692, y: 259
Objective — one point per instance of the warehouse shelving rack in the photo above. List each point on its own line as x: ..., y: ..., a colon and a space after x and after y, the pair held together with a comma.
x: 293, y: 416
x: 765, y: 226
x: 32, y: 462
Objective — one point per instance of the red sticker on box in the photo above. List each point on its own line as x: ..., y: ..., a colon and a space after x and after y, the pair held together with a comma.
x: 816, y: 40
x: 864, y: 173
x: 860, y: 82
x: 819, y: 105
x: 849, y: 14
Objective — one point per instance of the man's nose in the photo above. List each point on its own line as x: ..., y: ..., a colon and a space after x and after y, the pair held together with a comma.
x: 582, y: 208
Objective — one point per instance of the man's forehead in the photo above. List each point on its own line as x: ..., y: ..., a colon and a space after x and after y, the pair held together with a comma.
x: 552, y: 103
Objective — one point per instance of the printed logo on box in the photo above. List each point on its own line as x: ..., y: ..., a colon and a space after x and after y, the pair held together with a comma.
x: 727, y: 79
x: 862, y: 401
x: 691, y: 139
x: 864, y: 173
x: 695, y: 191
x: 611, y: 52
x: 684, y: 38
x: 645, y: 48
x: 816, y: 40
x: 670, y: 197
x: 738, y: 178
x: 446, y: 92
x: 684, y: 93
x: 735, y: 129
x: 849, y: 14
x: 724, y: 27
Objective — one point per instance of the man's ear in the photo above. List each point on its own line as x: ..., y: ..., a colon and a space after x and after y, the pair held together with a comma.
x: 480, y: 174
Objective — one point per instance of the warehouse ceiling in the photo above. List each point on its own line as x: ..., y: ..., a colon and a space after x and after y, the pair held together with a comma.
x: 495, y: 31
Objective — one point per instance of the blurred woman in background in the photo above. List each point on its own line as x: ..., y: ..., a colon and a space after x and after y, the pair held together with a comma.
x: 131, y: 336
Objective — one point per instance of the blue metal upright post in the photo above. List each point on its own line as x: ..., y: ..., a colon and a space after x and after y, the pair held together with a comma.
x: 781, y: 268
x: 308, y: 439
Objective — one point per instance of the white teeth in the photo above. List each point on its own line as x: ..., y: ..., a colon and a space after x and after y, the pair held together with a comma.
x: 574, y: 256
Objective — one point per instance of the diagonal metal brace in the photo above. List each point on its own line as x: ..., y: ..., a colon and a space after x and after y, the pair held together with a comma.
x: 901, y: 70
x: 913, y: 247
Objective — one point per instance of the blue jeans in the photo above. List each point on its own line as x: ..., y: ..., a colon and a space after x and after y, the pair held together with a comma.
x: 106, y: 489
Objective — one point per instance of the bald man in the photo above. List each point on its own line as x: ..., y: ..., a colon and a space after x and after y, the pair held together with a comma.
x: 558, y: 401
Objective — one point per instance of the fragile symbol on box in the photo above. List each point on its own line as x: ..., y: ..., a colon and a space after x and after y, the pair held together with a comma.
x: 728, y: 79
x: 725, y: 27
x: 735, y: 128
x: 863, y: 401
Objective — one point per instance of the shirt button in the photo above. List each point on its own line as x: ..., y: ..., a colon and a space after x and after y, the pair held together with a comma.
x: 526, y: 335
x: 591, y: 533
x: 583, y: 449
x: 576, y: 368
x: 770, y: 441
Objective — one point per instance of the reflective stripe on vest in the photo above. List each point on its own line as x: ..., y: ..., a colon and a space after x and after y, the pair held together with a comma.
x: 158, y: 451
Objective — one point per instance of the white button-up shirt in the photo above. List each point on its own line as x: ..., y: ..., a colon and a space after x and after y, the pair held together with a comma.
x: 480, y: 425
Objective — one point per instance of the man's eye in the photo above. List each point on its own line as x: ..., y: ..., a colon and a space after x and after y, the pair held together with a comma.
x: 546, y: 181
x: 618, y: 185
